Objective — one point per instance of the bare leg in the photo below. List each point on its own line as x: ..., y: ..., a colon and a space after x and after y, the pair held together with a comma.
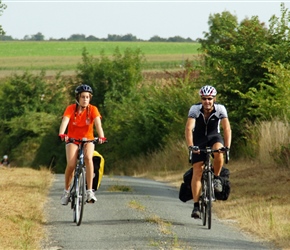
x: 218, y: 159
x: 89, y: 151
x: 196, y: 180
x: 71, y: 158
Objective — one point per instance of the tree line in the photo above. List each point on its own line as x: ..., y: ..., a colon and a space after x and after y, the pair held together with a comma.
x: 110, y: 38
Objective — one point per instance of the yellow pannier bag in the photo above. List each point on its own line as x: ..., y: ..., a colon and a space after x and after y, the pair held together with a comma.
x: 99, y: 163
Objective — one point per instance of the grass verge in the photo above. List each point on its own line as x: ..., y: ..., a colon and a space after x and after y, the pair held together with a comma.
x: 23, y: 195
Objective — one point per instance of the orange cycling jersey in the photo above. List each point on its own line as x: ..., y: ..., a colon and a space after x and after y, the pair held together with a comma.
x: 81, y: 125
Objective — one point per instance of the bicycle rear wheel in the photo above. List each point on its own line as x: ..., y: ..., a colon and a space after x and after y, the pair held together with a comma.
x: 209, y: 198
x: 80, y: 196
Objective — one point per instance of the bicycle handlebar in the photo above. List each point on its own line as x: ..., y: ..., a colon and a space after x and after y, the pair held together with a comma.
x: 85, y: 140
x: 210, y: 151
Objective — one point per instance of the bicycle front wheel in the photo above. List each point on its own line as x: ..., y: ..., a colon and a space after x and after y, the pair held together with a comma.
x: 203, y: 202
x: 80, y: 196
x: 209, y: 198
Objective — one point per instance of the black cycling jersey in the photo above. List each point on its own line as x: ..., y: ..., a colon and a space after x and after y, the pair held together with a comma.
x: 210, y: 126
x: 206, y: 132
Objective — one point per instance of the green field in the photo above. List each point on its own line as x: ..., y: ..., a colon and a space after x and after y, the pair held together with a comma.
x: 17, y: 56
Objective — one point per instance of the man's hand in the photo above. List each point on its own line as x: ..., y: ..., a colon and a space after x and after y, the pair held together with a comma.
x: 194, y: 149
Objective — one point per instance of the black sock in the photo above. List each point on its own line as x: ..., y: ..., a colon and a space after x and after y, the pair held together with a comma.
x: 196, y: 204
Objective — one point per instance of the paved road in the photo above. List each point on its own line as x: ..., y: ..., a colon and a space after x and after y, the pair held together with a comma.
x: 150, y: 216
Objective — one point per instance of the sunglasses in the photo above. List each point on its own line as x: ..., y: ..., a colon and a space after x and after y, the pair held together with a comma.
x: 209, y: 98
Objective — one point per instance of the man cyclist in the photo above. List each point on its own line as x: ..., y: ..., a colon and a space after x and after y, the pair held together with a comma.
x: 203, y: 129
x: 80, y: 119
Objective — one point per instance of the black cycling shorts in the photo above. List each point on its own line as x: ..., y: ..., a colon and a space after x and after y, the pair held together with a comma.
x: 207, y: 141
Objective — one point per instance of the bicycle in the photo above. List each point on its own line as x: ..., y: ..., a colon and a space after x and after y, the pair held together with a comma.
x: 78, y: 186
x: 207, y: 187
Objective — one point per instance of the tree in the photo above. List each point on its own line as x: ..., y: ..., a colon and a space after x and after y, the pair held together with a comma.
x: 2, y: 8
x: 241, y: 60
x: 37, y: 37
x: 157, y: 39
x: 77, y: 37
x: 92, y: 38
x: 6, y: 38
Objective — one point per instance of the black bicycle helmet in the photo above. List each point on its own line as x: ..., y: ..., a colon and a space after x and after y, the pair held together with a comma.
x: 83, y: 88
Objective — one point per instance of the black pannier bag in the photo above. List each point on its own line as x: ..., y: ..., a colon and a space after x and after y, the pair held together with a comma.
x: 185, y: 193
x: 225, y: 180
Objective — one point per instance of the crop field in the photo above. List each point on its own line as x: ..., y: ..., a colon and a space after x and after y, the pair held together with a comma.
x: 63, y: 56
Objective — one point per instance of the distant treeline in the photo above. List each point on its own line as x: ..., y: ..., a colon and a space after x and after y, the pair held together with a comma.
x: 80, y: 37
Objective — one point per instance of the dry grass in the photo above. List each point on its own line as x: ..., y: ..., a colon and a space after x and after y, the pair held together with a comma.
x: 259, y: 201
x: 23, y: 195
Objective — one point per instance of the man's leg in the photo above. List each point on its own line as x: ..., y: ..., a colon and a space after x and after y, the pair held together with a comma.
x: 217, y: 165
x: 196, y: 187
x: 218, y: 159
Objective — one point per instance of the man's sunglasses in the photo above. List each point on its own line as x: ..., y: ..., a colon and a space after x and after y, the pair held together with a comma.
x: 209, y: 98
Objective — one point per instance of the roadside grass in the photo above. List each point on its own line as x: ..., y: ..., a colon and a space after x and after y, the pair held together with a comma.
x: 23, y: 195
x: 119, y: 188
x: 136, y: 205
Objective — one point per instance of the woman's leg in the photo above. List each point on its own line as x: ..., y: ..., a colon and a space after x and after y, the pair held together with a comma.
x: 71, y: 158
x: 89, y: 151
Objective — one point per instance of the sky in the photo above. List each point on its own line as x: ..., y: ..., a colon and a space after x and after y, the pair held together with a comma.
x: 141, y: 18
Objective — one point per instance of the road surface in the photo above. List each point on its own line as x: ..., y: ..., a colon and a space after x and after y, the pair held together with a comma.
x: 148, y: 215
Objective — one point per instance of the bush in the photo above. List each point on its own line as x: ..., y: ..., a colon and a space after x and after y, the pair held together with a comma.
x: 31, y: 108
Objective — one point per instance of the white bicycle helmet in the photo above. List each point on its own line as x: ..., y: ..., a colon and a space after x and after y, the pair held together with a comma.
x: 207, y: 91
x: 5, y: 157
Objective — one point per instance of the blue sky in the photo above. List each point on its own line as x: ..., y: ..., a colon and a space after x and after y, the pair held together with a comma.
x: 141, y: 18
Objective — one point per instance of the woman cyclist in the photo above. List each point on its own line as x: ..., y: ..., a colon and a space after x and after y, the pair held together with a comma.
x: 79, y: 120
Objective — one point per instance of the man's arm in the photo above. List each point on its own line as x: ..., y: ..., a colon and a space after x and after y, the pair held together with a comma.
x: 190, y: 124
x: 227, y: 132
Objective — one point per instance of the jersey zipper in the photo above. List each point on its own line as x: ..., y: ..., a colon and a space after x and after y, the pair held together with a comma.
x: 206, y: 122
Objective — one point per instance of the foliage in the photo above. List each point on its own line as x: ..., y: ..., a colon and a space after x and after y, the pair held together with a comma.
x: 2, y: 8
x: 114, y: 78
x: 273, y: 99
x: 247, y: 63
x: 37, y: 37
x: 151, y: 115
x: 31, y: 106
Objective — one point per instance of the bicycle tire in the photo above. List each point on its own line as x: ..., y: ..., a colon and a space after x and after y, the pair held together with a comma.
x: 203, y: 202
x: 80, y: 196
x: 209, y: 199
x: 73, y: 204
